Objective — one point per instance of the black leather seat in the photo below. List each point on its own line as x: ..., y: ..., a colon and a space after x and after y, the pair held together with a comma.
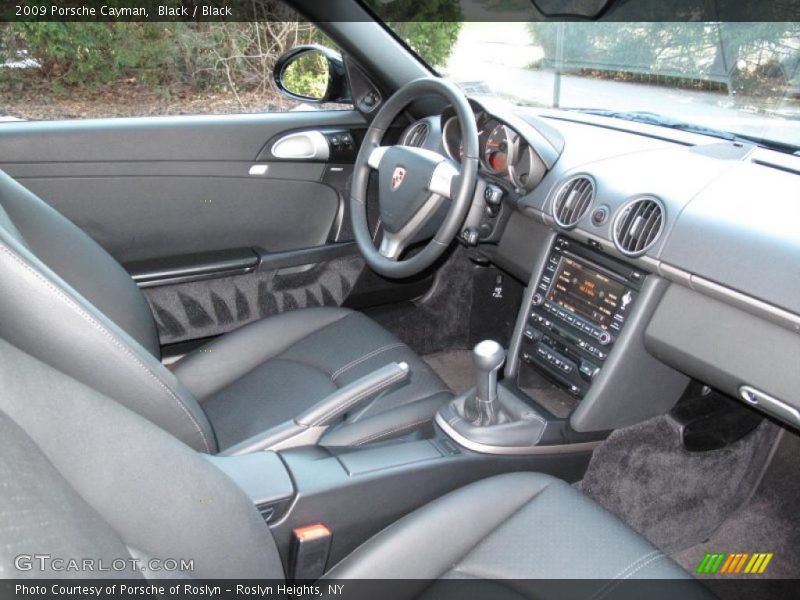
x: 265, y: 372
x: 110, y: 485
x: 66, y: 301
x: 515, y: 526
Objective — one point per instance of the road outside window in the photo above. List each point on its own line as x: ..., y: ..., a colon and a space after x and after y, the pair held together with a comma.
x: 742, y: 78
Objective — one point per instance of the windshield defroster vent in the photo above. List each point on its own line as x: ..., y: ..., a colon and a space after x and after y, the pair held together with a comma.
x: 417, y: 135
x: 573, y: 200
x: 638, y: 225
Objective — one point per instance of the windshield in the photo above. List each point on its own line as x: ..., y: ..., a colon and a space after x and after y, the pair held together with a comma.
x: 742, y: 78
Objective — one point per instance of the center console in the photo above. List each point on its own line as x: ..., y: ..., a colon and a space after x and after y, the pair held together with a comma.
x: 356, y: 492
x: 577, y: 368
x: 576, y: 314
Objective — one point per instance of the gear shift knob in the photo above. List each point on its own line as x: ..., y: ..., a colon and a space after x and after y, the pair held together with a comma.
x: 487, y: 356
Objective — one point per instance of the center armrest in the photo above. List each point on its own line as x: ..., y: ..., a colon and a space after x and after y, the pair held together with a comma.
x: 262, y: 476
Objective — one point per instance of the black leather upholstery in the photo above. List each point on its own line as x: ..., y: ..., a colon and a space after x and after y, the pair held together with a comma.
x: 80, y: 261
x: 269, y: 371
x: 44, y: 312
x: 106, y: 483
x: 109, y: 485
x: 69, y: 303
x: 515, y: 526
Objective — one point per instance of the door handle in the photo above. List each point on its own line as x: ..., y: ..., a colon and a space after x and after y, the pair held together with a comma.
x: 303, y: 145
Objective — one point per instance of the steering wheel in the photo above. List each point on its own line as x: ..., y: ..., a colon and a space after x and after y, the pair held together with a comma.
x: 415, y: 186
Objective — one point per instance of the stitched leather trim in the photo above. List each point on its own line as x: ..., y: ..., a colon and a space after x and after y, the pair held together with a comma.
x: 367, y: 356
x: 86, y: 316
x: 627, y: 572
x: 363, y: 394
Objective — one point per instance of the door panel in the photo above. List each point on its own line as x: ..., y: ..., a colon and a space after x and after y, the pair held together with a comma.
x: 137, y: 218
x: 176, y: 202
x: 158, y: 187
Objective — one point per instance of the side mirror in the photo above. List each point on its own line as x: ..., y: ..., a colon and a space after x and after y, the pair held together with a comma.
x: 312, y: 74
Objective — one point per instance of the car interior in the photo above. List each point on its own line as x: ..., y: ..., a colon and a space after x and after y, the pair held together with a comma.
x: 429, y: 337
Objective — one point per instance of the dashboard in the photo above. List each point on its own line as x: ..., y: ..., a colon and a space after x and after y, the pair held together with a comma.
x: 651, y: 256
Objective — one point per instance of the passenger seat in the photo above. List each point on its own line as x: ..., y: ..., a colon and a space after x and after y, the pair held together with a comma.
x: 106, y: 483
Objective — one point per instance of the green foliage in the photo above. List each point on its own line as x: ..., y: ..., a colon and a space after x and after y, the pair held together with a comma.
x: 210, y: 56
x: 307, y: 76
x: 430, y: 28
x: 434, y: 42
x: 90, y: 54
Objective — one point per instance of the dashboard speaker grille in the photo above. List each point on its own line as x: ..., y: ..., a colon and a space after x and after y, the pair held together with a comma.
x: 638, y: 225
x: 417, y: 135
x: 572, y: 201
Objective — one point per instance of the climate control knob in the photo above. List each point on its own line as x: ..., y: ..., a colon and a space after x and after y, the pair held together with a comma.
x: 537, y: 300
x: 604, y: 338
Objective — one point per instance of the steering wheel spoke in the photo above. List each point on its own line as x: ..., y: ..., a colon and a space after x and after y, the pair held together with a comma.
x: 391, y: 246
x: 376, y: 156
x: 393, y: 243
x: 442, y: 179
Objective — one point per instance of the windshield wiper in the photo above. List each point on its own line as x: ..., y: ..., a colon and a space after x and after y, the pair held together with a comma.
x: 662, y: 121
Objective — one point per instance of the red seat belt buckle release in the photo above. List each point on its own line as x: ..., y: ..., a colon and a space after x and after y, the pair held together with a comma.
x: 311, y: 546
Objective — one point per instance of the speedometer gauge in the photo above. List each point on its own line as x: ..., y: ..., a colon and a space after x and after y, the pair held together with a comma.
x: 496, y: 150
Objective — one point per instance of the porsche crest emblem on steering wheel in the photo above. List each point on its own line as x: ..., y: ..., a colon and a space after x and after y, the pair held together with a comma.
x: 397, y: 177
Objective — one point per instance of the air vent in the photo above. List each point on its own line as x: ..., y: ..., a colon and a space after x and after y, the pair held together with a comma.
x: 417, y: 135
x: 573, y: 200
x: 638, y: 226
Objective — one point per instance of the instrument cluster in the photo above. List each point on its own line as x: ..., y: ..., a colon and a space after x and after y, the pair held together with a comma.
x: 503, y: 152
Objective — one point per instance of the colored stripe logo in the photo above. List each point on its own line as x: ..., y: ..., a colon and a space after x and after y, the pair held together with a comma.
x: 734, y: 563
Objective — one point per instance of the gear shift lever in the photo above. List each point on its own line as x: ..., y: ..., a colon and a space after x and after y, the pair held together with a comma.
x: 487, y: 356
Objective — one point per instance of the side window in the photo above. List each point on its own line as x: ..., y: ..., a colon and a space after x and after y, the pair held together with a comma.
x: 78, y: 70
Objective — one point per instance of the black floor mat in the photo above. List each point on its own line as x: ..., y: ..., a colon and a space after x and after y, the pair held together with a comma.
x: 675, y: 498
x: 768, y: 523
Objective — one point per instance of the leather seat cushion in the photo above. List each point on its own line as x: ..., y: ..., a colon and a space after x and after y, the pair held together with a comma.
x: 269, y: 371
x: 520, y: 526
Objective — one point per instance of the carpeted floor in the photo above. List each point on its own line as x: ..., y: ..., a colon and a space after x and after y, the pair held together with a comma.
x: 675, y: 498
x: 454, y: 367
x: 768, y: 523
x: 440, y: 320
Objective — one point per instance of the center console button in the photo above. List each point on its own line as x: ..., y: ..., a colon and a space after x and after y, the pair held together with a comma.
x: 600, y: 215
x: 538, y: 299
x: 604, y: 338
x: 532, y: 334
x: 588, y: 370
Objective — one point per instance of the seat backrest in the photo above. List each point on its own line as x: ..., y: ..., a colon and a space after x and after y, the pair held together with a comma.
x: 80, y: 261
x: 109, y: 485
x: 66, y: 301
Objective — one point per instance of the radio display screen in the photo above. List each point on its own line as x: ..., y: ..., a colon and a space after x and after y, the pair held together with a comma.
x: 585, y: 292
